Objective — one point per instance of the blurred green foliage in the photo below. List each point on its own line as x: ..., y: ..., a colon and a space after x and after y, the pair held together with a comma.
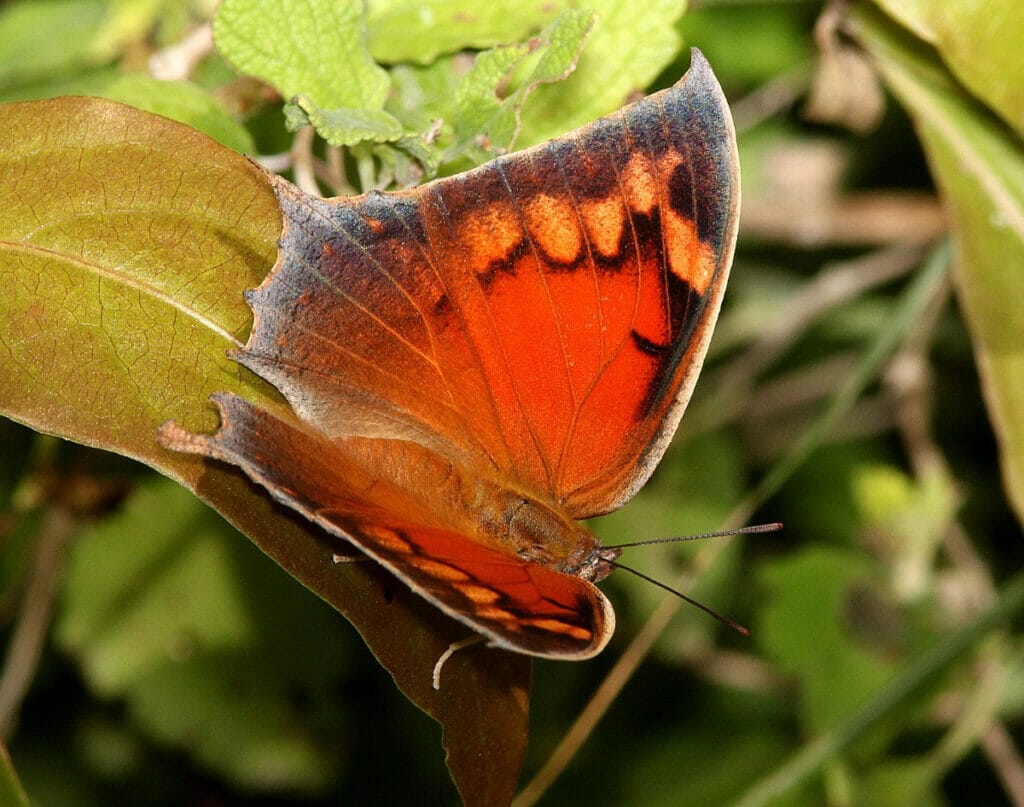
x: 182, y: 666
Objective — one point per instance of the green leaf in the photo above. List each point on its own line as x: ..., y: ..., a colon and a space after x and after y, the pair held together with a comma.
x: 12, y: 793
x: 315, y: 49
x: 126, y: 242
x: 631, y: 43
x: 343, y: 127
x: 726, y: 752
x: 897, y: 783
x: 425, y: 94
x: 129, y: 21
x: 41, y: 39
x: 87, y: 81
x: 908, y: 520
x: 133, y: 601
x: 979, y: 43
x: 920, y: 673
x: 979, y: 165
x: 487, y: 124
x: 803, y: 626
x: 43, y: 42
x: 421, y: 30
x: 750, y: 43
x: 178, y: 616
x: 181, y: 101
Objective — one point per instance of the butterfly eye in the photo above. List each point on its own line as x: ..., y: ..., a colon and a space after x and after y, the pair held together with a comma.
x: 597, y: 564
x: 608, y: 554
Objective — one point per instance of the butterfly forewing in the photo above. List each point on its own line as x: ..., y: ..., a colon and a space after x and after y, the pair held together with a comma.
x: 542, y: 316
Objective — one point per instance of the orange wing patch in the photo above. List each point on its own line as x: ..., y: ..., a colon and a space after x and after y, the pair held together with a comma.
x: 518, y: 605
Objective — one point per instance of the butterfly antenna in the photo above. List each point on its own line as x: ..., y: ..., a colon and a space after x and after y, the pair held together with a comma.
x: 751, y: 530
x: 736, y: 626
x: 754, y: 529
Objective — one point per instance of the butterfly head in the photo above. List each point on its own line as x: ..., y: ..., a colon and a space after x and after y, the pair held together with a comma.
x: 595, y: 565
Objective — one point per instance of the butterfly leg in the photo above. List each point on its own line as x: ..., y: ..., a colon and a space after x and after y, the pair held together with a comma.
x: 353, y: 558
x: 453, y: 648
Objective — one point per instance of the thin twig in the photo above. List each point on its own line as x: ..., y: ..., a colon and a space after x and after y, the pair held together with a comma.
x: 302, y: 160
x: 834, y: 286
x: 914, y: 301
x: 176, y: 62
x: 768, y: 100
x: 26, y: 645
x: 1003, y: 756
x: 847, y: 219
x: 333, y: 173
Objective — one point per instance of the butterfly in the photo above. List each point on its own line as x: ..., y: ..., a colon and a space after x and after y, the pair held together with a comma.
x: 476, y: 364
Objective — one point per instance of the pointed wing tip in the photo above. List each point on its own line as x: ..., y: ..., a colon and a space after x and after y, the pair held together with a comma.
x: 701, y: 79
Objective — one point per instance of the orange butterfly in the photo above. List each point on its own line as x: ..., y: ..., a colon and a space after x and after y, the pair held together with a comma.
x: 478, y: 362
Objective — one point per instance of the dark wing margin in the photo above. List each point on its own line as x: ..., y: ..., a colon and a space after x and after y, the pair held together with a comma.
x: 689, y: 131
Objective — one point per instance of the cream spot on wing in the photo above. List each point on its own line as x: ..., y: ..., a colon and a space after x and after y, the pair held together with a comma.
x: 640, y: 185
x: 386, y: 538
x: 564, y: 628
x: 438, y: 570
x: 481, y: 595
x: 689, y: 259
x: 605, y: 220
x: 489, y: 234
x: 553, y: 225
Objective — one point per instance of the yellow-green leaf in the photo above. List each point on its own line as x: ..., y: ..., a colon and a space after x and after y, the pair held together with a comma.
x: 979, y: 42
x: 343, y: 127
x: 631, y: 43
x: 316, y: 48
x: 421, y: 30
x: 125, y: 240
x: 482, y: 115
x: 978, y: 163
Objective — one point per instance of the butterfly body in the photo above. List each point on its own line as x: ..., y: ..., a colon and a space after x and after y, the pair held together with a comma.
x: 473, y: 365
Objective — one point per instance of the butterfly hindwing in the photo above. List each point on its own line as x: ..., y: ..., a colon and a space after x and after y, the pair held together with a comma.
x: 517, y: 605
